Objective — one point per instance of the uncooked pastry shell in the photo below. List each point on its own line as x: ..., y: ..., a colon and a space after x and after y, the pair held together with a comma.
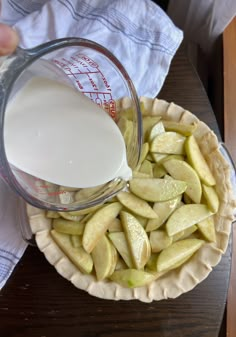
x: 182, y: 279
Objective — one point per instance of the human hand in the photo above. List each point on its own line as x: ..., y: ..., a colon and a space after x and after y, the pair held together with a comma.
x: 8, y: 40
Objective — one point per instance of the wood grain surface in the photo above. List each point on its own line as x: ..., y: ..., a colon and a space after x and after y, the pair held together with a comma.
x: 37, y: 302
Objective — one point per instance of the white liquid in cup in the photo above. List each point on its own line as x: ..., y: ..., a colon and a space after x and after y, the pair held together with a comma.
x: 57, y: 134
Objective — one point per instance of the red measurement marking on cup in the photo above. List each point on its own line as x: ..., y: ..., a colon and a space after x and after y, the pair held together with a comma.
x: 89, y: 79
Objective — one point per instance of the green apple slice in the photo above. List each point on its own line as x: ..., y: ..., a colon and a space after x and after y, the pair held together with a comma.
x: 184, y: 233
x: 158, y: 171
x: 211, y: 197
x: 52, y: 215
x: 78, y: 256
x: 156, y: 130
x: 102, y: 258
x: 183, y: 129
x: 198, y: 162
x: 115, y: 226
x: 179, y: 251
x: 186, y: 216
x: 148, y: 122
x: 146, y: 167
x: 137, y: 239
x: 132, y: 278
x: 163, y: 210
x: 181, y: 170
x: 68, y: 216
x: 114, y: 255
x: 68, y: 227
x: 120, y: 242
x: 126, y: 128
x: 136, y: 205
x: 76, y: 240
x: 169, y: 143
x: 207, y: 228
x: 158, y: 157
x: 98, y: 224
x: 159, y: 240
x: 144, y: 152
x: 154, y: 189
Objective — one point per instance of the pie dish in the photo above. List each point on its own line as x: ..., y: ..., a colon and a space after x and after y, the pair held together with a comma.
x: 182, y: 279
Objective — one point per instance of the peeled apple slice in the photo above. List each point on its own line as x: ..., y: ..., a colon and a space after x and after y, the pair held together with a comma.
x: 78, y: 256
x: 98, y: 224
x: 137, y: 239
x: 181, y: 170
x: 198, y: 162
x: 211, y: 197
x: 102, y: 258
x: 120, y: 242
x: 163, y: 210
x: 184, y: 129
x: 179, y: 251
x: 169, y: 143
x: 136, y: 205
x: 154, y: 189
x: 185, y: 217
x: 68, y: 227
x: 207, y: 228
x: 132, y: 278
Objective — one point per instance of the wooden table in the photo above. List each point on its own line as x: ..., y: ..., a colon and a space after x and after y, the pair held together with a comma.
x: 37, y: 302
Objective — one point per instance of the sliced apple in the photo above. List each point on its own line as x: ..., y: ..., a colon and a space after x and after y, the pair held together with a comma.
x: 76, y: 240
x: 186, y: 216
x: 207, y: 228
x: 78, y: 256
x: 71, y: 217
x: 169, y: 143
x: 86, y: 211
x: 68, y: 227
x: 52, y: 215
x: 184, y: 233
x: 142, y: 175
x: 183, y: 129
x: 136, y: 205
x: 126, y: 128
x: 132, y: 278
x: 158, y: 157
x: 154, y: 189
x: 115, y: 226
x: 120, y: 242
x: 163, y: 210
x: 179, y: 251
x: 98, y: 224
x: 159, y: 240
x: 84, y: 194
x: 198, y: 162
x: 144, y: 152
x: 148, y: 122
x: 137, y: 239
x: 181, y: 170
x: 211, y: 197
x: 159, y: 171
x: 151, y: 265
x: 146, y: 167
x: 156, y: 130
x: 102, y: 256
x: 114, y: 254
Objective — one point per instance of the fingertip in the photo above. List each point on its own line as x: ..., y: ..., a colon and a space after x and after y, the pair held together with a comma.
x: 8, y: 40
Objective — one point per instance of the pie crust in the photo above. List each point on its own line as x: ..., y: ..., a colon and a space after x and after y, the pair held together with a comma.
x: 195, y: 270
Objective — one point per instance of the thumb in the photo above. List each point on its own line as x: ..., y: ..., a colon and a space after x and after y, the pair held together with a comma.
x: 8, y: 40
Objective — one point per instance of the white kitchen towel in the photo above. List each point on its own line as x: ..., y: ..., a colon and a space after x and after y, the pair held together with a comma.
x: 138, y: 33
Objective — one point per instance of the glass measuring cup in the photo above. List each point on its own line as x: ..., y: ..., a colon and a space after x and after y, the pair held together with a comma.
x: 91, y: 69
